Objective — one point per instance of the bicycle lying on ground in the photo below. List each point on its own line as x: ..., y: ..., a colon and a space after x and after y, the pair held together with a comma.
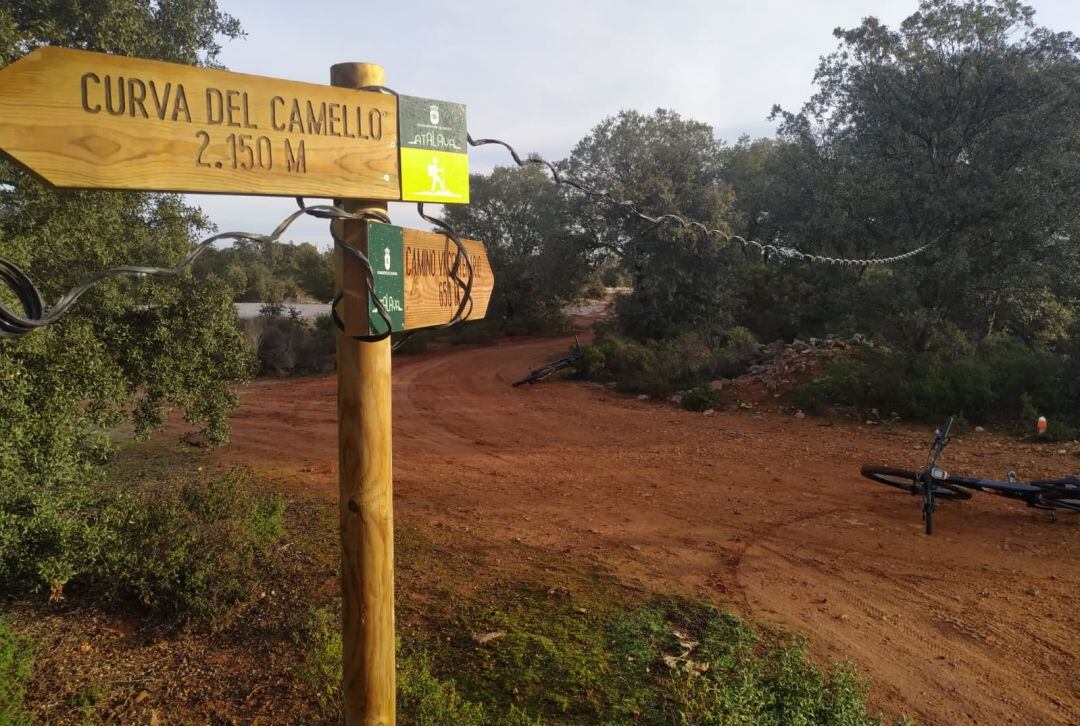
x: 933, y: 483
x: 541, y: 373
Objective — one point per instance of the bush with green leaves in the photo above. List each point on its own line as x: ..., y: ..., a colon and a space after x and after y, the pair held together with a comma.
x: 551, y: 660
x: 130, y: 351
x: 1002, y: 380
x: 661, y: 367
x: 189, y: 548
x: 422, y: 698
x: 700, y: 398
x: 669, y: 661
x: 287, y: 344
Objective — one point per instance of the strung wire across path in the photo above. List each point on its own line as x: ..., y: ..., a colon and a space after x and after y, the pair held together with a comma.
x: 779, y: 250
x: 35, y: 315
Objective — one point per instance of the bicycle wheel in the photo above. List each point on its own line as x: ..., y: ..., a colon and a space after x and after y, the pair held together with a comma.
x: 1053, y: 502
x: 899, y: 478
x: 910, y: 481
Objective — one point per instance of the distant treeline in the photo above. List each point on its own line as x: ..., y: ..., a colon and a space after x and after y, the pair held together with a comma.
x: 962, y: 125
x: 272, y: 271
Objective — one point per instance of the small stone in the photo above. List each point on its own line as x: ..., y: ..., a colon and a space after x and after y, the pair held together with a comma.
x: 485, y: 638
x: 1033, y: 591
x: 979, y: 429
x: 800, y: 415
x: 1062, y: 451
x: 708, y: 412
x: 643, y: 397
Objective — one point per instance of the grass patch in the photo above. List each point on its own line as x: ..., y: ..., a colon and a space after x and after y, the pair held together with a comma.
x: 16, y: 659
x: 320, y: 670
x: 546, y: 658
x: 668, y: 661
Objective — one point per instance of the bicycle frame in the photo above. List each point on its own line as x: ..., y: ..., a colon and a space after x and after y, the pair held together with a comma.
x: 933, y: 483
x: 543, y: 372
x: 941, y: 440
x: 1048, y: 494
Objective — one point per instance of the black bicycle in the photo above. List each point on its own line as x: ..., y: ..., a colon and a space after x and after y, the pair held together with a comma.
x: 933, y: 483
x: 540, y: 374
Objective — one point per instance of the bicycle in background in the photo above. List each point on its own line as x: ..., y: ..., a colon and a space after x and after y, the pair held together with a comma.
x: 540, y: 374
x: 933, y: 483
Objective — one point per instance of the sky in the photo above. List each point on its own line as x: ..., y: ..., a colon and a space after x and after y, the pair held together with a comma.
x: 541, y: 74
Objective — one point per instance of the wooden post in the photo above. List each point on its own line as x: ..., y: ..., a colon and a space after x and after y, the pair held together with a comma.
x: 365, y: 480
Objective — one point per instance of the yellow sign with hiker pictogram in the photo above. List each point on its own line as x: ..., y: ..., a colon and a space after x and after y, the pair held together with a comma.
x: 434, y: 151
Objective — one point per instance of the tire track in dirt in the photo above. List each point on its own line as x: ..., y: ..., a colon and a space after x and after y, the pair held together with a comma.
x: 766, y: 514
x: 945, y: 644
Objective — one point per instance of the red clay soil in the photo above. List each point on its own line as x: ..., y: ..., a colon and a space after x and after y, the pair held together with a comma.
x: 975, y: 624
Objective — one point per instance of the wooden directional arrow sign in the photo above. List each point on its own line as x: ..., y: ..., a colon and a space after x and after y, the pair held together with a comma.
x: 96, y: 121
x: 413, y: 280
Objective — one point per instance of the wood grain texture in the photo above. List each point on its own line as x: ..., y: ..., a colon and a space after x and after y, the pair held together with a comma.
x: 365, y: 477
x: 91, y: 120
x: 431, y: 296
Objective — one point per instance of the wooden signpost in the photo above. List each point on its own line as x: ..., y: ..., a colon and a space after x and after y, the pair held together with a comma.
x: 96, y: 121
x: 414, y: 281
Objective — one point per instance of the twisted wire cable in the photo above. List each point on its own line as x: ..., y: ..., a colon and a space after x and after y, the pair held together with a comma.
x: 330, y: 212
x: 782, y: 251
x: 465, y: 305
x: 36, y: 315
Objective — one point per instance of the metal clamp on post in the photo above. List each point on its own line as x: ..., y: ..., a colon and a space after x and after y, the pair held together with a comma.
x: 333, y: 213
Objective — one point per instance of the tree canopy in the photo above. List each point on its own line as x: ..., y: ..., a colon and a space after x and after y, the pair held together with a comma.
x: 130, y: 349
x: 962, y: 124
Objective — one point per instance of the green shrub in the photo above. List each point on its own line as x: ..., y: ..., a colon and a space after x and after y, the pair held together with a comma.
x: 1003, y: 379
x: 423, y: 699
x: 321, y: 668
x: 659, y: 368
x: 16, y: 659
x: 288, y: 344
x: 701, y: 398
x: 432, y: 702
x: 670, y: 661
x: 189, y: 548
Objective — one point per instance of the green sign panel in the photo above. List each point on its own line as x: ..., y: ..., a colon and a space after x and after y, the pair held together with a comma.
x: 386, y: 252
x: 434, y: 151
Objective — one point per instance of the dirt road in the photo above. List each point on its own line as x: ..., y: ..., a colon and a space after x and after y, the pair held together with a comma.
x: 976, y: 624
